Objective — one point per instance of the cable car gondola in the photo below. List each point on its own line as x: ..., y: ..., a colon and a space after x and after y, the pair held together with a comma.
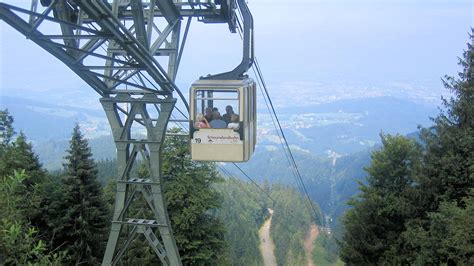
x: 233, y: 138
x: 228, y: 137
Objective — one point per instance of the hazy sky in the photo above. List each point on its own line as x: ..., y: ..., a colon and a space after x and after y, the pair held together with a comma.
x: 342, y: 41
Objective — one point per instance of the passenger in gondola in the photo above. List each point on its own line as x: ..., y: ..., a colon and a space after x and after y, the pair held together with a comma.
x: 234, y: 122
x: 208, y: 115
x: 201, y: 122
x: 229, y: 111
x: 217, y: 121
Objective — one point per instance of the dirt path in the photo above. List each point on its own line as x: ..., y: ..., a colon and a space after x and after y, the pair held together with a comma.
x: 266, y: 243
x: 308, y: 243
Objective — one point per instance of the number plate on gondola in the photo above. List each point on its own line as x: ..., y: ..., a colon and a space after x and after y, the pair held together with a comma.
x: 216, y: 137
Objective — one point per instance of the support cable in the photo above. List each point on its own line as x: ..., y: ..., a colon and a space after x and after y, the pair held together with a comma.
x: 293, y: 162
x: 288, y: 153
x: 255, y: 183
x: 275, y: 203
x: 261, y: 84
x: 239, y: 183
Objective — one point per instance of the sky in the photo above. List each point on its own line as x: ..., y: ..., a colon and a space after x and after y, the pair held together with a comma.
x: 302, y: 46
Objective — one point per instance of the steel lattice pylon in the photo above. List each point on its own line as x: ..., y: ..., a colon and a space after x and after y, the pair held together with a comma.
x: 129, y: 52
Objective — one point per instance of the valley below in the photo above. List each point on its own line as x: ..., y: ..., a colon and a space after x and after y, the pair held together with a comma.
x: 331, y: 139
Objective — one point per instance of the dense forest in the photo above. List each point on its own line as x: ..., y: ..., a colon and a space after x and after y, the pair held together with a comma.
x: 418, y: 205
x: 330, y: 182
x: 64, y: 216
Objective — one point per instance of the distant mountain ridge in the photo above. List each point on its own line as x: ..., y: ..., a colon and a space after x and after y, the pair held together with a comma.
x: 331, y: 129
x: 348, y: 126
x: 52, y: 152
x: 331, y: 142
x: 42, y: 121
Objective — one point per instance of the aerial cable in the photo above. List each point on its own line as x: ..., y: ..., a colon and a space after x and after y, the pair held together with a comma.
x: 292, y: 169
x: 279, y: 130
x: 274, y: 122
x: 181, y: 112
x: 238, y: 182
x: 275, y: 203
x: 293, y: 162
x: 277, y: 124
x: 227, y: 172
x: 261, y: 84
x: 255, y: 183
x: 288, y: 153
x: 298, y: 185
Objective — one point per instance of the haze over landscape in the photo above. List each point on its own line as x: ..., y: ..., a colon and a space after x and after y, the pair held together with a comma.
x: 311, y: 53
x: 339, y: 73
x: 315, y: 50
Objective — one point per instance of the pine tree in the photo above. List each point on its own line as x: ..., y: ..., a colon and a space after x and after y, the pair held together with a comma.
x: 443, y: 237
x: 6, y: 127
x: 435, y: 236
x: 21, y: 156
x: 379, y: 213
x: 425, y: 216
x: 449, y: 160
x: 6, y: 134
x: 81, y: 228
x: 17, y: 155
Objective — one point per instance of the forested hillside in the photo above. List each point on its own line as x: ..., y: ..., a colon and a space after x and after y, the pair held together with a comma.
x: 418, y: 205
x: 331, y: 142
x: 66, y: 217
x: 246, y: 207
x: 48, y: 209
x: 330, y: 181
x: 51, y: 151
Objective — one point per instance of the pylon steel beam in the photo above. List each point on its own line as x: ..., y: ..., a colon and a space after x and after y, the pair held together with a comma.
x: 128, y: 51
x: 128, y: 149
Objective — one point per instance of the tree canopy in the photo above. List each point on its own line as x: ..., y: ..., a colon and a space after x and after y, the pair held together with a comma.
x: 81, y: 220
x: 417, y: 205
